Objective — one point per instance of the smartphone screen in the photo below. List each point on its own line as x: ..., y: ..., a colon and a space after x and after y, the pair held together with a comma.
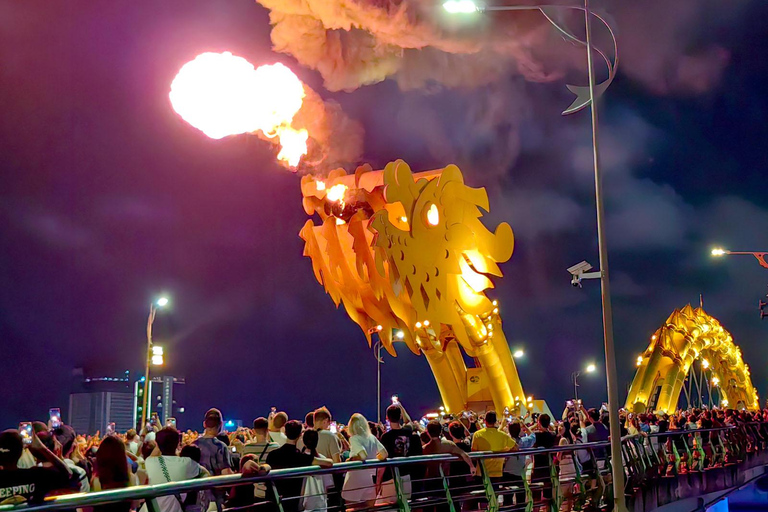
x: 333, y: 428
x: 55, y: 417
x: 25, y: 429
x: 110, y: 429
x: 170, y: 422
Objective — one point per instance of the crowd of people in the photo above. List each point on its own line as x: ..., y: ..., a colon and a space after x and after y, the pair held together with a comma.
x: 52, y: 461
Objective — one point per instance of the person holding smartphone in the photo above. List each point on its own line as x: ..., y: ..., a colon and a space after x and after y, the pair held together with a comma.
x: 33, y: 484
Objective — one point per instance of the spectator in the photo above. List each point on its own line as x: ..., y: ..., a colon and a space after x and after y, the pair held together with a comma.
x: 164, y: 466
x: 277, y: 422
x: 359, y: 489
x: 112, y: 471
x: 132, y: 442
x: 491, y: 439
x: 437, y: 445
x: 544, y: 439
x: 65, y: 437
x: 32, y: 484
x: 289, y: 456
x: 461, y: 438
x: 329, y: 446
x: 400, y: 441
x: 309, y: 420
x: 596, y: 432
x: 260, y: 447
x: 214, y: 454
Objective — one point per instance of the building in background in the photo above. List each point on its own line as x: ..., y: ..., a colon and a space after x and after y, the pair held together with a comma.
x: 97, y: 402
x: 166, y: 399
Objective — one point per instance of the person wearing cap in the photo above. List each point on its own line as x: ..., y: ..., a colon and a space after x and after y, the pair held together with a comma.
x: 65, y: 439
x: 214, y: 455
x: 32, y: 484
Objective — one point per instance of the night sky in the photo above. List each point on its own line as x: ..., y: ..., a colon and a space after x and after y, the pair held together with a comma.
x: 108, y: 198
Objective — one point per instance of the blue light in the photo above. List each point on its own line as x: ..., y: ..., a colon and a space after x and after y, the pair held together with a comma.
x: 142, y: 379
x: 230, y: 423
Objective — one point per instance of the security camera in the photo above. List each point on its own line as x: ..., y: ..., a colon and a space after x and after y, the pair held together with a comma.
x: 579, y: 268
x: 580, y: 271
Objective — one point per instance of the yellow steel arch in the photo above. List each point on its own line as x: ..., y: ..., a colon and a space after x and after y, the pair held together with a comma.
x: 687, y: 335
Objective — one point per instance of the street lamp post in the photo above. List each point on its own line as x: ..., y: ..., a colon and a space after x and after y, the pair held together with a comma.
x: 467, y: 6
x: 160, y: 303
x: 575, y: 376
x: 759, y: 256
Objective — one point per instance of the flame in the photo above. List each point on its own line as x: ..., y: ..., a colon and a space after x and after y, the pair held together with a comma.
x: 221, y: 94
x: 336, y: 193
x: 294, y: 145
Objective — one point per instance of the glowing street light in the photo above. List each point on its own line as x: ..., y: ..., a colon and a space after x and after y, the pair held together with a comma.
x: 759, y: 255
x: 590, y: 368
x: 460, y: 6
x: 154, y: 354
x: 517, y: 354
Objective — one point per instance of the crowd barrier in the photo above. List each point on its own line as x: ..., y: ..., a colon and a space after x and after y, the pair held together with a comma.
x: 650, y: 462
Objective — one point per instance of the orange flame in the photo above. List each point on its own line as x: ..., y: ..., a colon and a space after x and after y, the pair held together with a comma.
x: 221, y: 94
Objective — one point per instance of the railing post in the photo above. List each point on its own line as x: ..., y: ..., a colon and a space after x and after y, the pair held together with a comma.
x: 402, y: 501
x: 448, y: 497
x: 528, y: 493
x: 490, y: 494
x: 556, y: 500
x: 278, y: 502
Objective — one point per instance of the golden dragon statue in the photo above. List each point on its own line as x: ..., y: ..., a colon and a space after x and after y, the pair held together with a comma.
x: 407, y: 255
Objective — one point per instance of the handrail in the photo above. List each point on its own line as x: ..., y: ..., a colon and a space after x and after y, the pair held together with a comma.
x: 71, y: 501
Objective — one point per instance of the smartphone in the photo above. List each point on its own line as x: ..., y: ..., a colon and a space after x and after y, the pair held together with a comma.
x: 569, y: 403
x: 25, y: 429
x: 395, y: 400
x: 55, y: 417
x: 170, y: 422
x: 333, y: 427
x: 110, y: 429
x: 234, y: 449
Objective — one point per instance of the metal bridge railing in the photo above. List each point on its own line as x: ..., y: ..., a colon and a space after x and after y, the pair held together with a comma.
x: 575, y: 477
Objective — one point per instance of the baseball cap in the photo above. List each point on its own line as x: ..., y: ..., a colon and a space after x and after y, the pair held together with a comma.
x: 11, y: 446
x: 66, y: 436
x: 212, y: 418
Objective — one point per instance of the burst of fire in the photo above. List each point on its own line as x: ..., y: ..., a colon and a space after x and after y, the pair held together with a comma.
x: 221, y: 94
x: 336, y: 193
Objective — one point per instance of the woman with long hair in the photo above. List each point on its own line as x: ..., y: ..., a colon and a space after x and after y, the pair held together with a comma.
x: 111, y: 471
x: 359, y: 490
x: 313, y: 492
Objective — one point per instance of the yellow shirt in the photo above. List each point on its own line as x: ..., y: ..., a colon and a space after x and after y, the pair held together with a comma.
x: 491, y: 439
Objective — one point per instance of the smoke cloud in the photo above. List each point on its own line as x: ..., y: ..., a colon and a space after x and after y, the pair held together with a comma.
x: 360, y: 42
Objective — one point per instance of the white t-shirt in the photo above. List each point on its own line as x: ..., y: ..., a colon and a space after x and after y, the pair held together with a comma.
x: 134, y: 447
x: 82, y: 477
x: 278, y: 437
x: 368, y: 444
x: 174, y: 469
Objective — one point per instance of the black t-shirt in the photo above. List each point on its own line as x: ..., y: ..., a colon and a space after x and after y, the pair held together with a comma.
x: 543, y: 440
x: 288, y: 456
x: 32, y: 484
x: 460, y: 467
x: 401, y: 442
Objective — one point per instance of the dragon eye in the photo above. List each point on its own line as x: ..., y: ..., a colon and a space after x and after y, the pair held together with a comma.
x: 433, y: 216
